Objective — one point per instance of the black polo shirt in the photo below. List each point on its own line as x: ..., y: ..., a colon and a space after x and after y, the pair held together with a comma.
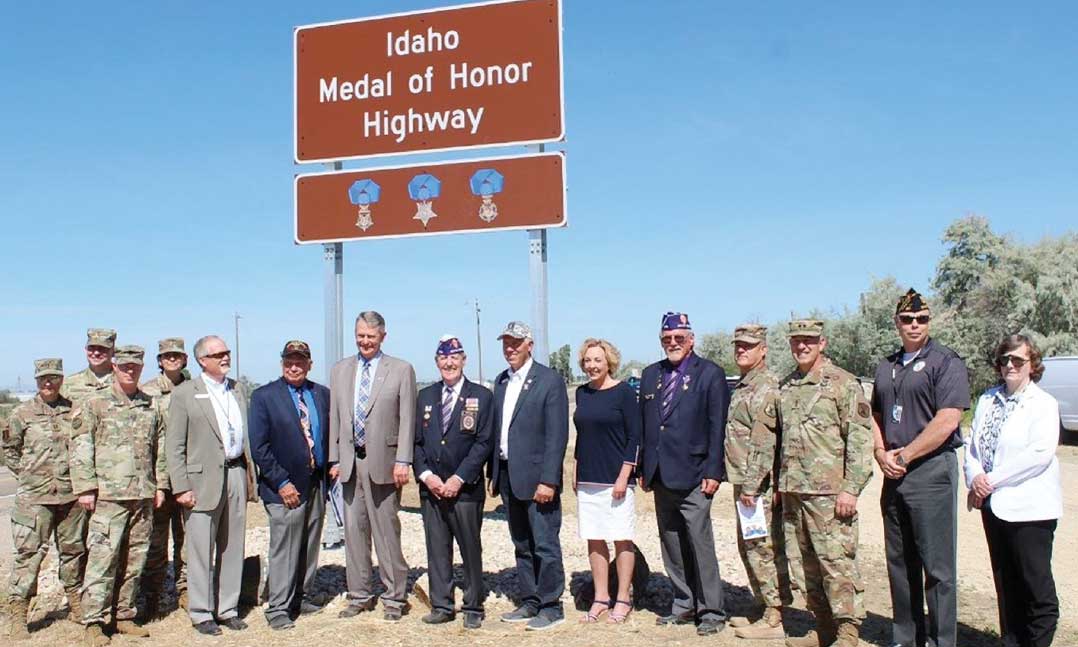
x: 936, y: 379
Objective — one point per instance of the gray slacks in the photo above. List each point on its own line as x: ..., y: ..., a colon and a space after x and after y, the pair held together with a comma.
x: 215, y: 552
x: 920, y: 526
x: 688, y: 550
x: 295, y: 539
x: 370, y: 513
x: 444, y: 521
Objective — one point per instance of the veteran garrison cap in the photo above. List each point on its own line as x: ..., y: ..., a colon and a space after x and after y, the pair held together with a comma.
x: 296, y: 347
x: 105, y: 337
x: 516, y: 330
x: 449, y: 345
x: 805, y: 328
x: 751, y: 333
x: 128, y: 355
x: 170, y: 345
x: 48, y: 366
x: 676, y: 321
x: 911, y: 301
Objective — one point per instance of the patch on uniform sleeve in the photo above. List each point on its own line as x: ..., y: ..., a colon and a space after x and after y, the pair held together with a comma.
x: 863, y: 410
x: 76, y: 418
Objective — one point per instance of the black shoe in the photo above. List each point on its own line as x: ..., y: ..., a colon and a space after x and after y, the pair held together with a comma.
x: 393, y: 614
x: 337, y: 545
x: 522, y: 613
x: 208, y: 628
x: 437, y: 617
x: 710, y: 627
x: 473, y: 620
x: 355, y: 608
x: 233, y: 623
x: 281, y: 622
x: 676, y: 619
x: 307, y: 608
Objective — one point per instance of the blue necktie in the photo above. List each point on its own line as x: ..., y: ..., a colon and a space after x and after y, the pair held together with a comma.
x: 361, y: 405
x: 447, y: 409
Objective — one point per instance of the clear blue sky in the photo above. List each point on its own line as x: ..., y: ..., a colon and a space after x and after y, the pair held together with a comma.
x: 731, y: 161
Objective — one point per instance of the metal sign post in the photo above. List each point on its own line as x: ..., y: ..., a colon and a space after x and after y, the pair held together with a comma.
x: 537, y: 262
x: 333, y: 255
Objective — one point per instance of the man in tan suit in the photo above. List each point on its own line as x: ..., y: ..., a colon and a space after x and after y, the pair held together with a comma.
x: 371, y: 434
x: 212, y: 477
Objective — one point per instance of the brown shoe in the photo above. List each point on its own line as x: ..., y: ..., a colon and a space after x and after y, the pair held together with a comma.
x: 849, y: 634
x: 94, y: 636
x: 129, y: 628
x: 18, y: 609
x: 769, y: 627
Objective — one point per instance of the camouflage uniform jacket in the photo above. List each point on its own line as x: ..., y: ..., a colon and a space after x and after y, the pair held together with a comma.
x: 826, y: 433
x: 84, y: 384
x: 161, y: 388
x: 118, y: 446
x: 37, y: 439
x: 752, y: 430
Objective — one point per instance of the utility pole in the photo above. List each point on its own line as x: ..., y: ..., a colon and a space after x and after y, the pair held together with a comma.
x: 236, y: 318
x: 478, y: 341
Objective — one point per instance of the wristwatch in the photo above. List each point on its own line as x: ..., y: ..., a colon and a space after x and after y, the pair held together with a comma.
x: 900, y: 460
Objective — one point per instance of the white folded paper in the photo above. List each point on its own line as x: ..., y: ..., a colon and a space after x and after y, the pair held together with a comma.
x: 753, y: 521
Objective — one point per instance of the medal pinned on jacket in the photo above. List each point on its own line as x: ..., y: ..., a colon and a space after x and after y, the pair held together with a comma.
x: 426, y: 414
x: 469, y: 415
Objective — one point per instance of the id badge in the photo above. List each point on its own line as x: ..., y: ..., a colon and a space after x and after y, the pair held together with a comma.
x: 896, y: 413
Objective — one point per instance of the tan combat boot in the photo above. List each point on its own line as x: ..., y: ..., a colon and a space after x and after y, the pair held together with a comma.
x: 128, y: 627
x: 849, y: 634
x: 769, y: 627
x: 17, y: 610
x: 183, y: 600
x: 741, y: 621
x: 74, y: 605
x: 811, y: 639
x: 94, y: 636
x: 823, y: 636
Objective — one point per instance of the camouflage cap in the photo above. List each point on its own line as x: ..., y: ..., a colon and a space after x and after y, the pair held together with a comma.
x: 105, y: 337
x: 751, y: 333
x: 911, y: 301
x: 805, y: 328
x: 170, y: 345
x: 516, y: 330
x: 128, y: 355
x: 296, y: 347
x: 48, y: 366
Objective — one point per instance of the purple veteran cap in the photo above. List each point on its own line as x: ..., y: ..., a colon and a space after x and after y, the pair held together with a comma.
x: 676, y: 321
x: 449, y: 345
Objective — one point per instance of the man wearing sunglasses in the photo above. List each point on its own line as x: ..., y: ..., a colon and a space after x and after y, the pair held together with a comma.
x: 683, y: 401
x: 212, y: 476
x: 920, y: 393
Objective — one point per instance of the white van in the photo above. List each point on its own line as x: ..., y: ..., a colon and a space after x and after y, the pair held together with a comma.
x: 1061, y: 380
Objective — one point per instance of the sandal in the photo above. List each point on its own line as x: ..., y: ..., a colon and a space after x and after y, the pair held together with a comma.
x: 592, y: 616
x: 619, y: 618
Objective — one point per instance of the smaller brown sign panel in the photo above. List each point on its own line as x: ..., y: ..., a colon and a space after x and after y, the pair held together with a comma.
x: 521, y: 192
x: 459, y: 77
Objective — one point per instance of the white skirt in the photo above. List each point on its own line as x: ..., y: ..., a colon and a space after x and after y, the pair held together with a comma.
x: 599, y: 516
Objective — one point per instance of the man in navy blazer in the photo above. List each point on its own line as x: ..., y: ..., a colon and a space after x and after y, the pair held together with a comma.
x: 289, y: 432
x: 453, y: 438
x: 531, y: 410
x: 683, y: 400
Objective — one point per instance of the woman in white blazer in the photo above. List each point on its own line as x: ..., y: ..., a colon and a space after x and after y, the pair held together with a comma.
x: 1013, y: 476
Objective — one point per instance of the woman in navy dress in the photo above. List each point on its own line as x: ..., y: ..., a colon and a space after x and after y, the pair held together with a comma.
x: 608, y: 429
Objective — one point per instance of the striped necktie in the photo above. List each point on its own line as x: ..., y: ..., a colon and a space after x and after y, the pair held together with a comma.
x: 668, y: 393
x: 447, y: 409
x: 361, y: 405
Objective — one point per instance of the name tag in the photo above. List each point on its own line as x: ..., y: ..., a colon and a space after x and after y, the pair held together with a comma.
x: 202, y: 396
x: 896, y: 413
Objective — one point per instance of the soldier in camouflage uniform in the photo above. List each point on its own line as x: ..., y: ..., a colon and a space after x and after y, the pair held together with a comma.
x: 751, y: 434
x: 96, y: 378
x: 36, y: 439
x: 826, y: 461
x: 118, y: 469
x: 172, y: 360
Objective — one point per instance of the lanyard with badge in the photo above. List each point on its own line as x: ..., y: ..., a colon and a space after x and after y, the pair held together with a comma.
x: 896, y: 385
x: 226, y: 408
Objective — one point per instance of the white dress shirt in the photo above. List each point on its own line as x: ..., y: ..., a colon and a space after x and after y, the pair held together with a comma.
x: 512, y: 394
x: 229, y: 418
x: 1025, y: 471
x: 441, y: 399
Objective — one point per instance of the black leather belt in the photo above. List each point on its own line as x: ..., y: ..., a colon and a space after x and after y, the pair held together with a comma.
x: 240, y: 461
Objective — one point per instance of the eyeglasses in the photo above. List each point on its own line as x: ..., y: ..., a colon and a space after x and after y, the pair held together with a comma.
x: 667, y: 340
x: 219, y: 356
x: 908, y: 319
x: 1014, y: 360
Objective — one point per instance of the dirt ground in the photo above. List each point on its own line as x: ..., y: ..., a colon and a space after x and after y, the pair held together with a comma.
x: 977, y: 607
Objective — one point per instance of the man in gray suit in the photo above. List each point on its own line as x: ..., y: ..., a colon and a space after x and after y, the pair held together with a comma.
x: 371, y: 438
x: 212, y: 476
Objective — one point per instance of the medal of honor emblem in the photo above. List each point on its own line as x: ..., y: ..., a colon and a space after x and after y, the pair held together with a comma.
x: 364, y: 193
x: 485, y: 183
x: 423, y: 189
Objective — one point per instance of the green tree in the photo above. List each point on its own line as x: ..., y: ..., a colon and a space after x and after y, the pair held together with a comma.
x: 627, y: 368
x: 561, y: 362
x: 719, y: 348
